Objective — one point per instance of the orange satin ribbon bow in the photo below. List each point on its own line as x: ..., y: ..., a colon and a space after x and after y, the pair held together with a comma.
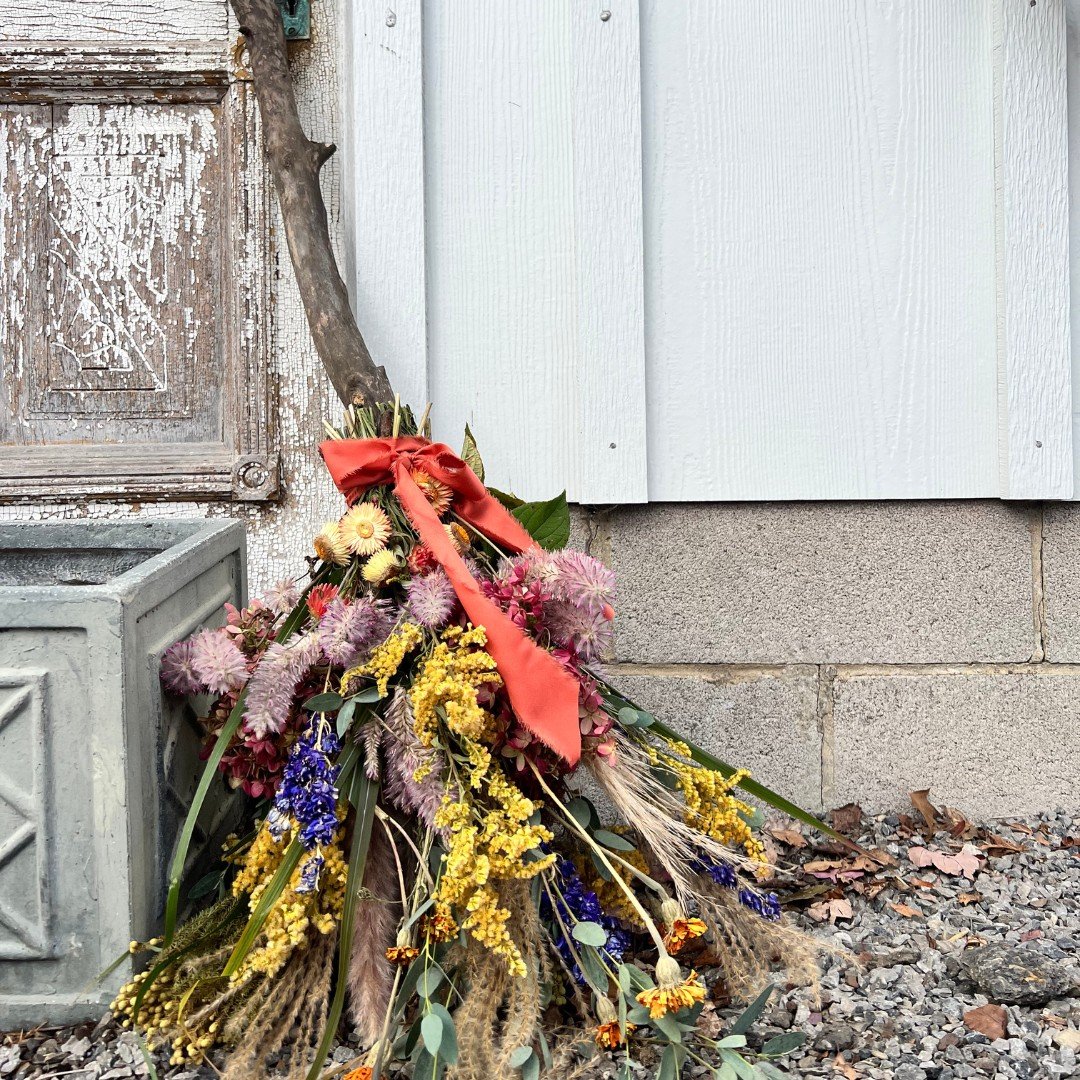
x: 543, y: 694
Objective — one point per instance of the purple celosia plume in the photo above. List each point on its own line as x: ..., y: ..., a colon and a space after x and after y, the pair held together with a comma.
x: 218, y: 662
x: 349, y: 630
x: 273, y: 683
x: 588, y: 633
x: 431, y: 599
x: 580, y: 579
x: 178, y: 670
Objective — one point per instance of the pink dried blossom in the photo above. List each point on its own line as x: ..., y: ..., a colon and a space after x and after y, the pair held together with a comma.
x: 348, y: 630
x: 282, y: 597
x: 178, y: 670
x: 431, y: 599
x: 274, y: 681
x: 588, y: 633
x: 218, y: 662
x: 582, y: 580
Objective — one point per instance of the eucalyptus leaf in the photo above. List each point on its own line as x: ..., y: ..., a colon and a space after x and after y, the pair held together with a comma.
x: 784, y: 1044
x: 431, y: 1031
x: 670, y: 1064
x: 427, y: 1067
x: 430, y: 979
x: 731, y: 1042
x: 742, y: 1067
x: 520, y: 1056
x: 628, y: 716
x: 668, y: 1026
x: 344, y: 717
x: 449, y: 1051
x: 323, y: 703
x: 612, y: 840
x: 548, y: 523
x: 206, y: 885
x: 531, y: 1069
x: 752, y: 1011
x: 590, y: 933
x: 367, y: 696
x: 593, y: 969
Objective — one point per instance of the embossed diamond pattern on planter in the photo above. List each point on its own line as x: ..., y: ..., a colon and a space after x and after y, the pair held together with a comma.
x: 24, y: 908
x: 88, y: 809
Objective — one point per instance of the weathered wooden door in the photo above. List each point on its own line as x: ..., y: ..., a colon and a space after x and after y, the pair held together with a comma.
x: 134, y: 276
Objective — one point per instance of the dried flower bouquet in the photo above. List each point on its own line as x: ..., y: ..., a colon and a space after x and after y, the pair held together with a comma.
x: 414, y: 724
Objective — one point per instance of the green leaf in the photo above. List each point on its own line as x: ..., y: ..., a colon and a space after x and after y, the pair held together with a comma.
x: 323, y: 703
x: 427, y: 1067
x: 151, y: 1069
x: 628, y: 716
x: 726, y: 1072
x: 363, y: 794
x: 531, y: 1069
x: 470, y: 455
x: 548, y: 523
x: 520, y: 1056
x: 731, y: 1042
x: 669, y: 1065
x: 511, y: 502
x: 449, y: 1051
x: 206, y: 885
x: 784, y: 1044
x: 367, y: 697
x: 752, y: 1011
x: 601, y: 869
x: 742, y: 1067
x: 590, y: 933
x: 429, y: 981
x: 612, y: 840
x: 625, y: 985
x: 431, y: 1031
x: 581, y: 810
x: 637, y: 1014
x: 344, y: 717
x: 668, y: 1026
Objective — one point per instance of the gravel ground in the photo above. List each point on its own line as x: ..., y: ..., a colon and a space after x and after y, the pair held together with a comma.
x: 961, y: 960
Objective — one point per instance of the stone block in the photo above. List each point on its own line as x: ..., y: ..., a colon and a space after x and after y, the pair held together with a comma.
x: 989, y: 743
x: 97, y: 768
x: 764, y: 720
x: 823, y: 583
x: 1061, y: 581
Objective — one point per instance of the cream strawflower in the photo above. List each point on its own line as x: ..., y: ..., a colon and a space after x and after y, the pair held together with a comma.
x: 330, y: 545
x: 382, y: 567
x: 365, y: 528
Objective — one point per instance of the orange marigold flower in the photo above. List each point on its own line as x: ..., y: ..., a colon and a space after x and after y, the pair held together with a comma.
x: 672, y: 997
x: 682, y: 931
x: 402, y: 954
x: 439, y: 926
x: 363, y: 1073
x: 609, y: 1036
x: 435, y: 491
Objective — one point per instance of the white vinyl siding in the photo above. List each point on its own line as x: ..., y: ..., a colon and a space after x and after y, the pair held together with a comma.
x: 711, y: 250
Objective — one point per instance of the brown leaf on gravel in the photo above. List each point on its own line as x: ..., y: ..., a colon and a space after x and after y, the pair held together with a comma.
x: 840, y: 1064
x: 968, y: 897
x: 921, y: 801
x: 831, y: 910
x: 906, y: 910
x: 998, y: 845
x: 988, y: 1020
x: 847, y: 819
x: 791, y: 837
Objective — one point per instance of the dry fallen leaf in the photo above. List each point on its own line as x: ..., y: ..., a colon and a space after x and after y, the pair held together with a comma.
x: 830, y: 909
x: 840, y: 1064
x: 906, y: 910
x: 966, y: 861
x: 847, y: 819
x: 968, y: 897
x: 920, y: 800
x: 791, y: 837
x: 988, y: 1020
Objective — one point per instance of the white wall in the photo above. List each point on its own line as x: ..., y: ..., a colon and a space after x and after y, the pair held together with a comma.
x: 710, y: 250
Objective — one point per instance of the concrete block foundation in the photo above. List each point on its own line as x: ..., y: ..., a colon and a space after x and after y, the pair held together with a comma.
x: 859, y: 651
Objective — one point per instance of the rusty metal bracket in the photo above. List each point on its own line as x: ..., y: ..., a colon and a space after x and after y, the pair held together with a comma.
x: 296, y: 15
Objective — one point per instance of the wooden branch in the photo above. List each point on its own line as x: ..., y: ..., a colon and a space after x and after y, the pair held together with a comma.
x: 295, y: 162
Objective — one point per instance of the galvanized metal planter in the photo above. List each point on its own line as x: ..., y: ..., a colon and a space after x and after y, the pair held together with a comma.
x: 96, y: 765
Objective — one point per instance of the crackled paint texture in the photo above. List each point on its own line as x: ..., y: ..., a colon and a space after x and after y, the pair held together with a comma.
x: 169, y: 156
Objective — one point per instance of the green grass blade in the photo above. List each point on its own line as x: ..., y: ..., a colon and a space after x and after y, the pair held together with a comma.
x: 363, y: 794
x: 225, y: 736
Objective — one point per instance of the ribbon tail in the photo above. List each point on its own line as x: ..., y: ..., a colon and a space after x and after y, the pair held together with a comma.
x: 543, y: 694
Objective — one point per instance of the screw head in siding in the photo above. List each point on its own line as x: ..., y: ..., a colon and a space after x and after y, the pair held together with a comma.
x: 391, y: 18
x: 605, y: 15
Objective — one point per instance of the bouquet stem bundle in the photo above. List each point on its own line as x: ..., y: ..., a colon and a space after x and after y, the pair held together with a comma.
x: 420, y: 846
